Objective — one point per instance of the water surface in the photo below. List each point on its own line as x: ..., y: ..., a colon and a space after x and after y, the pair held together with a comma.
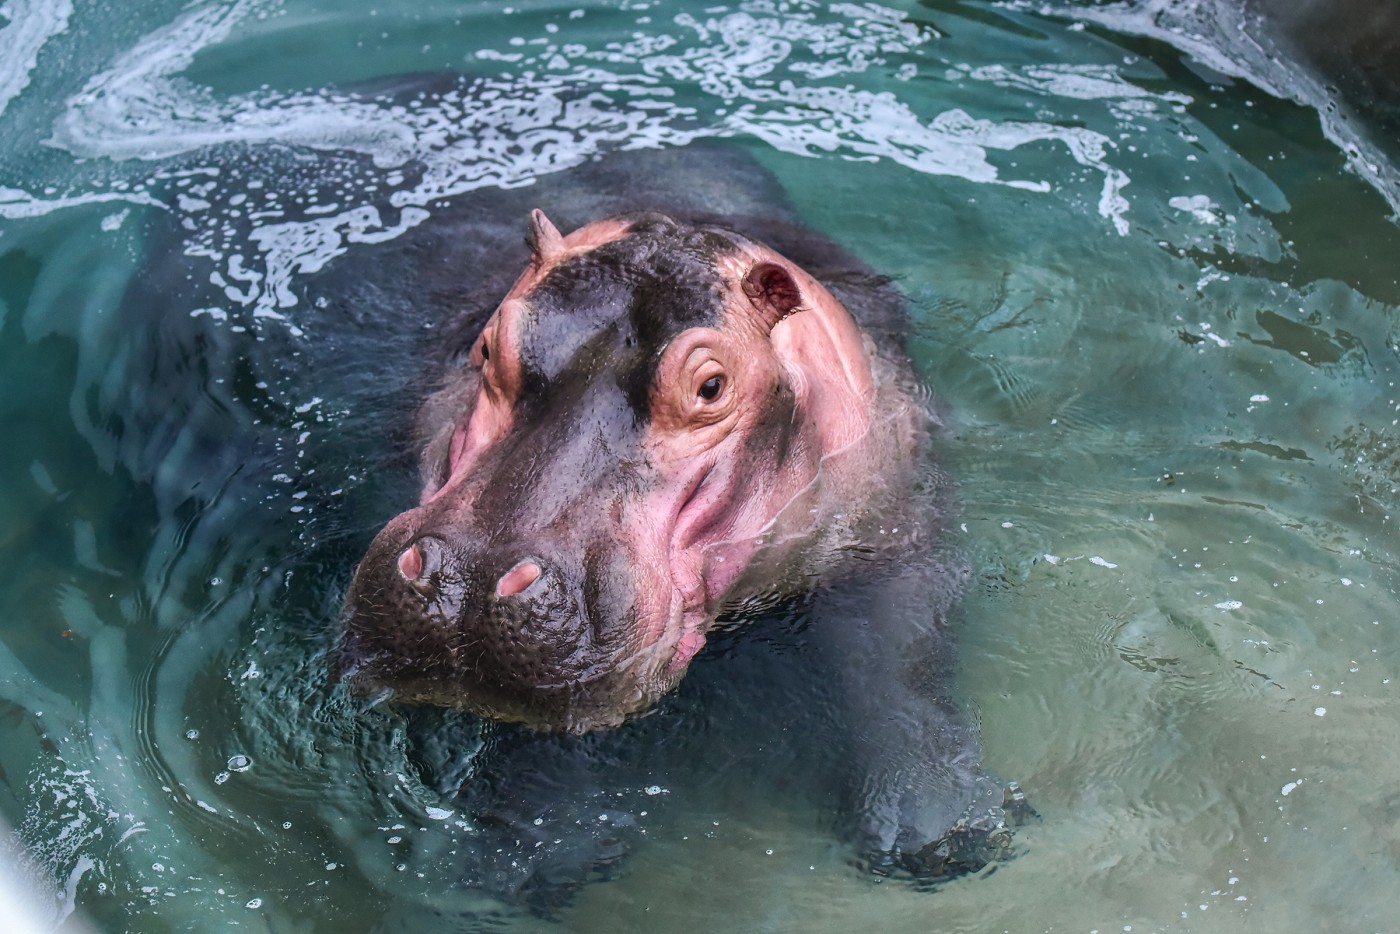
x: 1152, y: 278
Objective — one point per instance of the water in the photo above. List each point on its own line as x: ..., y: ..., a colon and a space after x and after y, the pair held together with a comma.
x: 1159, y: 302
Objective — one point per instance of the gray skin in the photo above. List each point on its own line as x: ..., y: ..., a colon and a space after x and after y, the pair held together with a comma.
x: 536, y: 581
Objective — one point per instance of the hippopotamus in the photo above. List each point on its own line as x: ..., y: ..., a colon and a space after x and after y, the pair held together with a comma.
x: 672, y: 419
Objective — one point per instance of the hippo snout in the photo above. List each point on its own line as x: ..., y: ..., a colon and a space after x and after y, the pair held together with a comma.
x: 440, y: 623
x: 422, y: 565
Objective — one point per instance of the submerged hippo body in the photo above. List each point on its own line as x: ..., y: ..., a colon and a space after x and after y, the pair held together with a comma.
x: 688, y: 412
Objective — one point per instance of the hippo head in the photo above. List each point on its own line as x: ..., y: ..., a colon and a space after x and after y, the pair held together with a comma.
x: 635, y: 440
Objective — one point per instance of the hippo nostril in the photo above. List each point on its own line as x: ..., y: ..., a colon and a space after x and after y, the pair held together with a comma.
x: 411, y: 563
x: 420, y: 563
x: 517, y: 579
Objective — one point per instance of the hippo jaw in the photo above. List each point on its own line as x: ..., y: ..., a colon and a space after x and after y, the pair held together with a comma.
x: 630, y: 447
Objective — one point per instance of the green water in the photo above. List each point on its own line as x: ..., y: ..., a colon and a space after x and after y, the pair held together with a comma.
x: 1158, y: 303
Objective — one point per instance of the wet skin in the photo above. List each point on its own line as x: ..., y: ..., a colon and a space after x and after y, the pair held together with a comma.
x: 658, y: 421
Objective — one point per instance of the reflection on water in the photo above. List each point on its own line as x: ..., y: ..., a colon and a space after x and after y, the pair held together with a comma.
x: 1157, y: 298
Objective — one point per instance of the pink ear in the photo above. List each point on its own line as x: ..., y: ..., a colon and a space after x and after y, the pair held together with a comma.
x: 544, y: 238
x: 773, y: 291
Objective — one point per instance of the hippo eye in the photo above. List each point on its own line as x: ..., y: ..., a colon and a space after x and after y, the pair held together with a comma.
x: 711, y: 388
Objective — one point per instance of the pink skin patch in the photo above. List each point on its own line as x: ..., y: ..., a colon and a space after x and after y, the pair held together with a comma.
x: 411, y: 563
x: 723, y: 507
x: 517, y: 579
x: 692, y: 641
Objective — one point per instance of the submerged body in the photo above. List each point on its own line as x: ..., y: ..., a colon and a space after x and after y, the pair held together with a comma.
x: 666, y: 422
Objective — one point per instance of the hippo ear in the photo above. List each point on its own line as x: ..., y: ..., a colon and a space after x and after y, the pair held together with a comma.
x: 773, y: 291
x: 544, y: 239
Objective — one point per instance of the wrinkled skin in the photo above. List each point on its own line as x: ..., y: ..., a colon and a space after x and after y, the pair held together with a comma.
x: 659, y: 420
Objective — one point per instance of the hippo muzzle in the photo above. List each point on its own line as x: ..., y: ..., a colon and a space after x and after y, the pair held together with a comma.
x: 521, y: 626
x: 499, y: 630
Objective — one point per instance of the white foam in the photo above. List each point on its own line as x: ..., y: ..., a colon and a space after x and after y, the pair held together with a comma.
x: 1225, y: 37
x: 775, y: 76
x: 1079, y: 82
x: 1198, y: 206
x: 140, y: 109
x: 15, y: 203
x: 31, y: 23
